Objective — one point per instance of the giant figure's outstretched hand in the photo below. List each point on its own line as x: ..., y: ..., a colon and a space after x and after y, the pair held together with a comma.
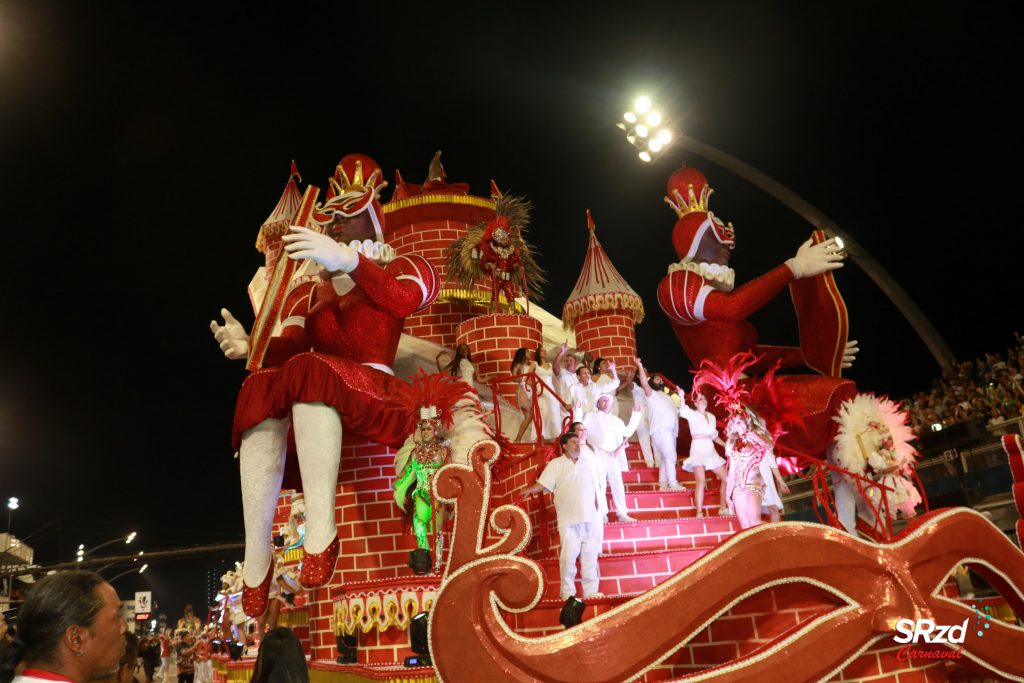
x: 850, y: 353
x: 231, y: 336
x: 304, y: 243
x: 814, y: 259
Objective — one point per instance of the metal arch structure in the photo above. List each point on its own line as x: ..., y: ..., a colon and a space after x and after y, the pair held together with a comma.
x: 915, y: 316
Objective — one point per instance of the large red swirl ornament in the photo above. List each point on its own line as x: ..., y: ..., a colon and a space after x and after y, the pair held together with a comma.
x: 875, y: 585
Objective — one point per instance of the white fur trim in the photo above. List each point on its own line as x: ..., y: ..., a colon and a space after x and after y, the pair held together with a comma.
x: 721, y: 277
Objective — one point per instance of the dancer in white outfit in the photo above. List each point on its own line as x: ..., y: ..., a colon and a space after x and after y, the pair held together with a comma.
x: 703, y: 457
x: 586, y: 391
x: 550, y: 408
x: 664, y: 428
x: 576, y: 482
x: 564, y: 369
x: 771, y: 502
x: 607, y: 435
x: 606, y: 377
x: 461, y: 365
x: 521, y: 365
x: 643, y: 431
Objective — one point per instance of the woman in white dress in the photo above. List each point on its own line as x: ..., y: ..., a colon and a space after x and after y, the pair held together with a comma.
x: 703, y: 457
x: 461, y: 365
x: 550, y: 408
x: 771, y: 502
x: 521, y: 365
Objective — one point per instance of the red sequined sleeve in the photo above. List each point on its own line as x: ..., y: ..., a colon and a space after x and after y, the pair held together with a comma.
x: 737, y: 305
x: 408, y: 284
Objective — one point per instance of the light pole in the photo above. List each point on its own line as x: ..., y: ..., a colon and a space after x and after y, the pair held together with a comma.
x: 126, y: 572
x: 858, y: 254
x: 82, y: 552
x: 12, y: 505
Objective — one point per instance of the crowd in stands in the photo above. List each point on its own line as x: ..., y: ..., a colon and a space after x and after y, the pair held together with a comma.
x: 991, y: 387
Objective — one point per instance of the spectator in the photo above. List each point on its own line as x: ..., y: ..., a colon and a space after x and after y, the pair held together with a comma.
x: 149, y: 650
x: 70, y: 627
x: 186, y: 651
x: 129, y: 661
x: 281, y: 659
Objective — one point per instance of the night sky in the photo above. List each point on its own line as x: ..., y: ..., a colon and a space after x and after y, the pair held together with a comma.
x: 142, y: 145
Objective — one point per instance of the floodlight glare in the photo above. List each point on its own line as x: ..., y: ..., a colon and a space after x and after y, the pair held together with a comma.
x: 642, y: 131
x: 665, y: 135
x: 642, y: 104
x: 12, y: 503
x: 131, y: 537
x: 654, y: 119
x: 143, y: 568
x: 629, y: 117
x: 654, y: 145
x: 645, y: 155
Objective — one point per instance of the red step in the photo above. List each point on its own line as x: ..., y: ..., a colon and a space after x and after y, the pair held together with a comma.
x: 628, y: 573
x: 647, y: 505
x: 668, y: 534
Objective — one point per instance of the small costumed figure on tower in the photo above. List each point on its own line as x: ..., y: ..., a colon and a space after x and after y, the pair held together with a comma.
x: 497, y: 253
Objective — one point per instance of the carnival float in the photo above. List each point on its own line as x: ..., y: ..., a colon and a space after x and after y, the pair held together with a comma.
x: 414, y: 561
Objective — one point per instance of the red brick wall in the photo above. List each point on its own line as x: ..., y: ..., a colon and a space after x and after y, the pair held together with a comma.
x: 440, y: 322
x: 609, y: 334
x: 431, y: 240
x: 493, y: 340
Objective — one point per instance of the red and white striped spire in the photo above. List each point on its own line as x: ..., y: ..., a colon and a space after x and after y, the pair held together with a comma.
x: 600, y: 287
x: 281, y: 217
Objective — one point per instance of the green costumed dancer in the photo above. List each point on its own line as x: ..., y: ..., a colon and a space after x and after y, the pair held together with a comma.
x: 451, y: 422
x: 428, y: 454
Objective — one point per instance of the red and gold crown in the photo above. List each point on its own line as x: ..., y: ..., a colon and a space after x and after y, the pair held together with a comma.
x: 357, y: 174
x: 688, y: 191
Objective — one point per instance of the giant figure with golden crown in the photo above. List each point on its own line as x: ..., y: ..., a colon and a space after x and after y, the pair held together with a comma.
x: 327, y: 371
x: 710, y: 315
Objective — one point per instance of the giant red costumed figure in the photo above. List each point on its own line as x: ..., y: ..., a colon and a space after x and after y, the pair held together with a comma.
x: 329, y: 368
x: 709, y: 315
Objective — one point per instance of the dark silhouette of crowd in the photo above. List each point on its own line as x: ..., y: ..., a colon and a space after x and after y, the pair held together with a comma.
x: 991, y: 388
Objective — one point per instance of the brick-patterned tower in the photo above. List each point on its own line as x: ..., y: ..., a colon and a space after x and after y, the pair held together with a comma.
x: 493, y: 340
x: 425, y: 219
x: 603, y: 309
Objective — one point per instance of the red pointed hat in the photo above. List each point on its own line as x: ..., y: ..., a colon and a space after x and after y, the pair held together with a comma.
x: 688, y: 195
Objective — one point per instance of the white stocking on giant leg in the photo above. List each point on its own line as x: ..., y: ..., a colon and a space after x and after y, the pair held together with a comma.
x: 318, y: 441
x: 261, y: 464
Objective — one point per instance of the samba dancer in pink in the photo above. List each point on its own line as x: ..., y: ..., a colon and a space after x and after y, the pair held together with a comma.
x: 756, y: 417
x: 744, y: 486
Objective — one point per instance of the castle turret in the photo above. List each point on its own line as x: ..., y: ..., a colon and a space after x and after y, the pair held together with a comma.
x: 268, y: 241
x: 425, y: 219
x: 603, y: 309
